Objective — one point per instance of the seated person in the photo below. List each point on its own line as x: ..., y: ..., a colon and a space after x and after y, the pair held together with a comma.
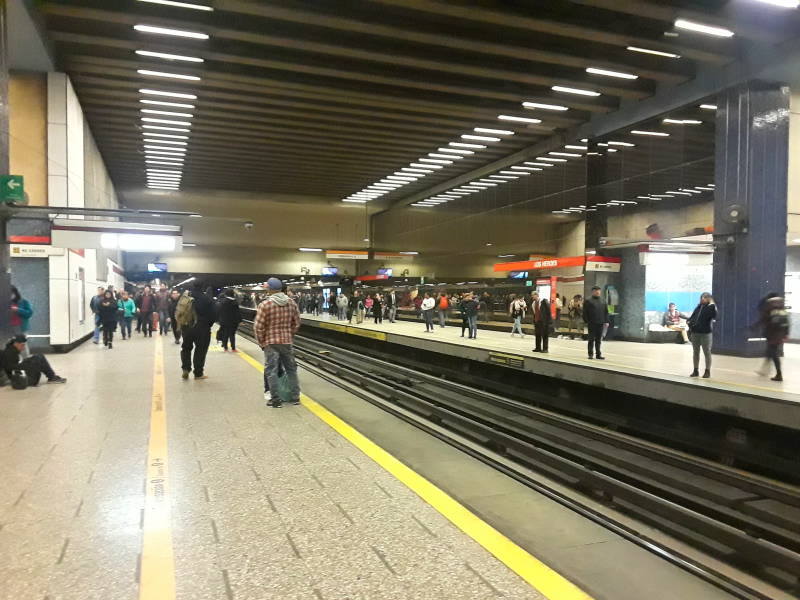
x: 11, y: 363
x: 672, y: 320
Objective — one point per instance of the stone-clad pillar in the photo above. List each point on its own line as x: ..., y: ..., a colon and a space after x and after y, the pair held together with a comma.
x: 752, y: 141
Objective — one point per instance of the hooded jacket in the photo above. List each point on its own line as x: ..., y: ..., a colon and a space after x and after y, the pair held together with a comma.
x: 277, y: 320
x: 229, y: 313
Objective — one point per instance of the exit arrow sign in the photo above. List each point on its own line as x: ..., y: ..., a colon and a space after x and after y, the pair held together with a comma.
x: 12, y: 189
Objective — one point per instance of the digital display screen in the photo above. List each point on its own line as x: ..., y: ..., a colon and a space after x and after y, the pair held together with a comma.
x: 518, y: 274
x: 157, y: 267
x: 330, y: 271
x: 385, y: 272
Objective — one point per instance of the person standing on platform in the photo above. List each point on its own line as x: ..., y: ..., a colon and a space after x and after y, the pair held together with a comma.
x: 542, y: 318
x: 14, y: 365
x: 342, y: 302
x: 368, y: 302
x: 576, y: 319
x: 391, y: 305
x: 108, y: 310
x: 162, y: 308
x: 517, y: 312
x: 351, y: 306
x: 146, y: 310
x: 427, y: 306
x: 471, y: 306
x: 595, y: 314
x: 775, y: 325
x: 276, y: 323
x: 93, y: 304
x: 174, y: 296
x: 701, y: 324
x: 127, y: 310
x: 377, y: 309
x: 442, y: 308
x: 360, y: 308
x: 229, y: 318
x: 195, y: 316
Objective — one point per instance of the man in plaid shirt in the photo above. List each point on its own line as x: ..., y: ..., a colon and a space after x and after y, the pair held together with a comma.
x: 277, y: 320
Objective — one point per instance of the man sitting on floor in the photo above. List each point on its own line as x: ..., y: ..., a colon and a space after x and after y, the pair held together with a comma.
x: 28, y: 371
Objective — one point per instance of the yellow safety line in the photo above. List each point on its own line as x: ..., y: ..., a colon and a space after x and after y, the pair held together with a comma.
x: 157, y: 574
x: 529, y: 568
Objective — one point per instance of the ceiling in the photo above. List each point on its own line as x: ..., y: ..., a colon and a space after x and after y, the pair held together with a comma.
x: 323, y: 98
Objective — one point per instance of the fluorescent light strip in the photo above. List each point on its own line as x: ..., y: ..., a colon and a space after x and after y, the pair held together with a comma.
x: 705, y: 189
x: 655, y: 52
x: 678, y: 193
x: 571, y: 90
x: 548, y: 159
x: 157, y: 141
x: 682, y: 121
x: 179, y: 151
x: 149, y: 73
x: 456, y: 151
x: 570, y: 154
x: 410, y: 170
x: 150, y: 111
x: 166, y: 121
x: 702, y: 28
x: 494, y: 131
x: 480, y: 138
x: 165, y: 171
x: 481, y: 182
x: 170, y: 104
x: 179, y: 5
x: 354, y: 200
x: 535, y: 164
x: 573, y: 147
x: 168, y: 94
x: 651, y: 133
x: 613, y: 150
x: 544, y: 106
x: 690, y: 191
x: 518, y: 119
x: 514, y: 172
x: 448, y: 156
x: 174, y: 32
x: 426, y: 165
x: 166, y: 164
x: 708, y: 106
x: 524, y: 169
x: 161, y: 128
x: 463, y: 145
x: 177, y: 155
x: 412, y: 175
x: 166, y: 56
x: 399, y: 178
x: 489, y: 181
x: 661, y: 196
x: 163, y: 179
x: 626, y: 144
x: 438, y: 161
x: 472, y: 188
x: 502, y: 177
x: 608, y: 73
x: 165, y: 135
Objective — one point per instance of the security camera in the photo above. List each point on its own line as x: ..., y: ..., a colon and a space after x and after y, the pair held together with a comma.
x: 248, y: 225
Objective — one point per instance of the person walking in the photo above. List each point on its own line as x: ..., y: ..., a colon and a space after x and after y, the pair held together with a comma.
x: 542, y: 318
x: 701, y: 323
x: 391, y: 305
x: 174, y: 296
x: 775, y: 325
x: 108, y: 309
x: 195, y: 315
x: 352, y: 306
x: 442, y: 308
x: 377, y: 309
x: 162, y: 308
x: 276, y: 323
x: 15, y: 365
x: 229, y: 318
x: 595, y: 314
x: 127, y: 310
x: 147, y: 308
x: 93, y: 304
x: 517, y: 313
x: 427, y: 311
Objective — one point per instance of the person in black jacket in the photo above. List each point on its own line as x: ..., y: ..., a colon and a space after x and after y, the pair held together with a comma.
x: 469, y: 309
x: 542, y: 318
x: 174, y: 295
x: 198, y: 335
x: 700, y: 325
x: 595, y: 315
x: 108, y: 311
x: 229, y: 318
x: 33, y: 367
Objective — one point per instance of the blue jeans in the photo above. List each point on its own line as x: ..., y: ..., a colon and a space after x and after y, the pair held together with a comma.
x: 125, y: 326
x: 281, y: 357
x: 163, y: 317
x: 517, y: 328
x: 96, y: 328
x: 473, y: 325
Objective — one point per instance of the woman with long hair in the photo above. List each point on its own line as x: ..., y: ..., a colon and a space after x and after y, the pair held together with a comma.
x: 108, y: 311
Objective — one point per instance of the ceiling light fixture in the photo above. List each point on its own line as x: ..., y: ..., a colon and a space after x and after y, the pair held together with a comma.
x: 437, y: 161
x: 503, y: 177
x: 180, y: 151
x: 652, y: 133
x: 157, y: 141
x: 161, y: 128
x: 570, y: 154
x: 150, y: 73
x: 518, y: 119
x: 514, y: 172
x: 456, y: 151
x: 662, y: 196
x: 310, y: 249
x: 682, y: 122
x: 574, y: 147
x: 150, y: 111
x: 655, y: 52
x: 708, y: 106
x: 626, y: 144
x: 165, y: 135
x: 494, y: 131
x: 166, y: 56
x: 426, y: 165
x: 690, y: 191
x: 410, y: 170
x: 448, y: 156
x: 165, y: 171
x: 701, y: 28
x: 524, y: 169
x: 548, y: 159
x: 480, y: 138
x: 571, y: 90
x: 399, y: 178
x: 608, y: 73
x: 170, y: 104
x: 164, y: 163
x: 168, y: 94
x: 354, y: 200
x: 705, y: 189
x: 179, y: 5
x: 674, y: 193
x: 166, y: 121
x: 167, y: 31
x: 535, y: 164
x: 489, y: 181
x: 544, y: 106
x: 463, y: 145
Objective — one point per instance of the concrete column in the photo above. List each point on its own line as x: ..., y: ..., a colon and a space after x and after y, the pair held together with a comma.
x: 5, y: 259
x: 752, y: 141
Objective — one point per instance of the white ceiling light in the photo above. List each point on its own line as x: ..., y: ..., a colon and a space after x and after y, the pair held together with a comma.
x: 165, y: 171
x: 678, y: 193
x: 548, y: 159
x: 626, y: 144
x: 524, y: 169
x: 310, y: 249
x: 167, y: 31
x: 655, y: 52
x: 166, y: 56
x: 482, y: 182
x: 472, y: 188
x: 608, y: 73
x: 518, y: 119
x: 570, y: 154
x: 410, y: 252
x: 168, y: 94
x: 456, y: 151
x: 705, y: 189
x: 690, y: 191
x: 354, y: 200
x: 157, y: 141
x: 535, y: 164
x: 662, y: 196
x: 438, y: 161
x: 544, y: 106
x: 170, y: 104
x: 682, y: 122
x: 399, y: 178
x: 458, y: 193
x: 503, y: 177
x: 178, y: 155
x: 701, y: 28
x: 782, y: 3
x: 166, y: 121
x: 514, y: 172
x: 490, y: 181
x: 150, y: 111
x: 410, y: 170
x: 162, y: 128
x: 448, y: 156
x: 179, y: 5
x: 463, y: 145
x: 412, y: 175
x: 574, y: 147
x: 384, y: 186
x: 480, y: 138
x: 164, y: 163
x: 426, y: 165
x: 150, y: 73
x: 163, y: 179
x: 494, y: 131
x: 165, y: 135
x: 613, y: 150
x: 179, y: 151
x: 653, y: 133
x: 571, y: 90
x: 708, y: 106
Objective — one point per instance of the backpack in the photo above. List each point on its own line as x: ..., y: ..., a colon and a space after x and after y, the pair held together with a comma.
x: 778, y: 322
x: 185, y: 314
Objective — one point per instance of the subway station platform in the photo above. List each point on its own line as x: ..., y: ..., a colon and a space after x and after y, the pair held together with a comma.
x: 659, y: 371
x: 128, y: 482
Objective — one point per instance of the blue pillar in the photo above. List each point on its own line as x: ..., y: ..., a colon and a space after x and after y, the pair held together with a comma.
x: 752, y: 143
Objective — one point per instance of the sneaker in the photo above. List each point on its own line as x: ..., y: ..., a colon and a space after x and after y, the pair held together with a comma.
x: 267, y: 397
x: 57, y: 379
x: 185, y: 375
x: 275, y: 403
x: 296, y: 402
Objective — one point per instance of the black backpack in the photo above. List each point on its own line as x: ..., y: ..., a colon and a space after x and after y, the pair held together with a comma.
x: 778, y: 322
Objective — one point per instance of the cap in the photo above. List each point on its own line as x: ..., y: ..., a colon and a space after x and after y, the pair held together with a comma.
x: 20, y: 339
x: 274, y: 284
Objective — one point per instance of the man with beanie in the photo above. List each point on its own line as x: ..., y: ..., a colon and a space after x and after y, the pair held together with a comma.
x: 277, y: 321
x: 12, y: 364
x: 595, y: 313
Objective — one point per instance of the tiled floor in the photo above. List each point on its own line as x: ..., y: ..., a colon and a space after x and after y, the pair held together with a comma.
x: 266, y: 503
x: 669, y: 360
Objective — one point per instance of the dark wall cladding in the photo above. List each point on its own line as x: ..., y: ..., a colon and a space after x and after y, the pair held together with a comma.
x: 31, y: 276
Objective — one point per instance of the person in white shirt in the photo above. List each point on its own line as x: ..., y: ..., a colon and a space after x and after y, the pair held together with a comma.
x: 517, y: 312
x: 427, y: 312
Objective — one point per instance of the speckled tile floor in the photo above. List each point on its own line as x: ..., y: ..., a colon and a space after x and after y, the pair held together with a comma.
x: 266, y: 503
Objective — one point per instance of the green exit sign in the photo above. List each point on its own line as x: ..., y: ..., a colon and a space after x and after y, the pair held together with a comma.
x: 12, y: 189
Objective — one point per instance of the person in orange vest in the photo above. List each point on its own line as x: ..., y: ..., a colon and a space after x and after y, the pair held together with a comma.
x: 443, y: 307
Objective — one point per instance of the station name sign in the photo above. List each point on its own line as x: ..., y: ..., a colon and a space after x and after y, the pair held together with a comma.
x: 347, y: 254
x: 608, y: 263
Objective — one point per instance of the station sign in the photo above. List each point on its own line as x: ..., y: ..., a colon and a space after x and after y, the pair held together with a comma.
x: 34, y: 251
x: 12, y: 189
x: 608, y: 264
x: 392, y: 256
x: 347, y: 254
x: 542, y: 263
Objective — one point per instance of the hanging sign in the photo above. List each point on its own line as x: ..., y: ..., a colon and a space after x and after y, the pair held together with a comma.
x: 608, y: 264
x: 347, y: 254
x: 542, y: 263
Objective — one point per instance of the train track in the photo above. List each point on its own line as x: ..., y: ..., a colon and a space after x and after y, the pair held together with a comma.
x: 747, y: 521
